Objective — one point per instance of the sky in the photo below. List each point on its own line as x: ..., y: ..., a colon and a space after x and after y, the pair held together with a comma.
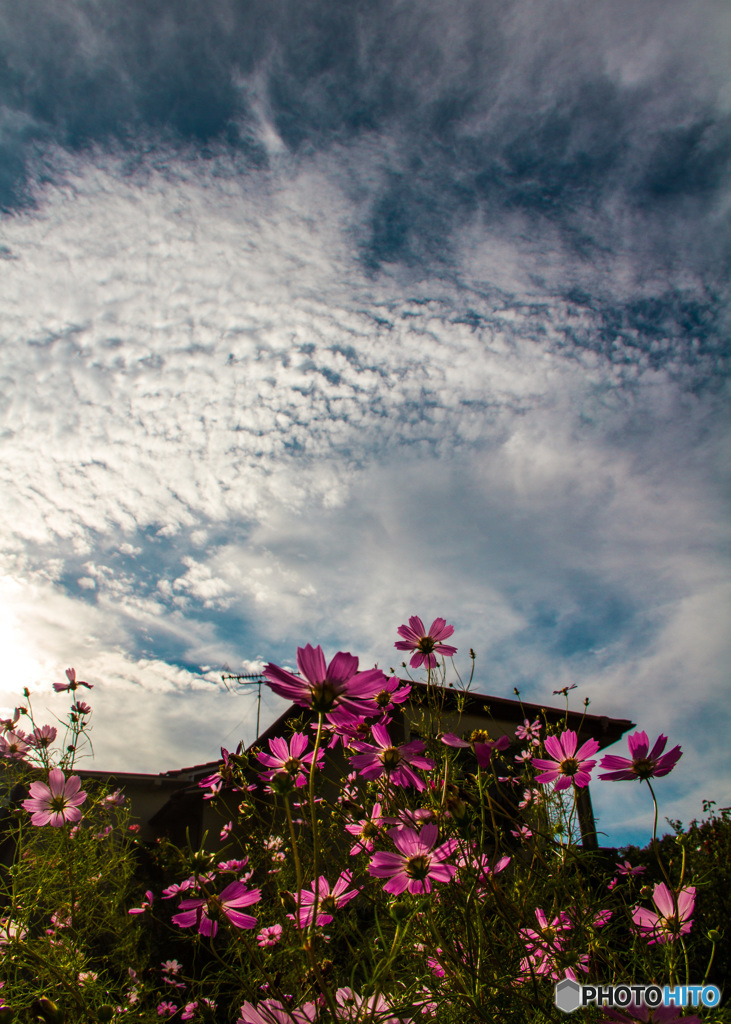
x: 317, y: 316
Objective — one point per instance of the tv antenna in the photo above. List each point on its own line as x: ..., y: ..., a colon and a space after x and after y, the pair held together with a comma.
x: 247, y: 679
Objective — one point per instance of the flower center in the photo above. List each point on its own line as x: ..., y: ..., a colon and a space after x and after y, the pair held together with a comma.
x: 369, y: 831
x: 418, y: 867
x: 643, y: 768
x: 426, y: 644
x: 292, y: 765
x: 479, y: 736
x: 58, y: 803
x: 390, y: 758
x: 328, y: 905
x: 570, y: 766
x: 383, y: 698
x: 323, y: 695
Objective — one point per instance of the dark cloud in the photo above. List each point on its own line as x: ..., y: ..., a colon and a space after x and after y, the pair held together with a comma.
x: 605, y: 121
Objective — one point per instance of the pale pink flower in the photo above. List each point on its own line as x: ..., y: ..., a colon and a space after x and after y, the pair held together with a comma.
x: 529, y: 731
x: 325, y: 687
x: 354, y: 1008
x: 81, y: 708
x: 269, y: 936
x: 14, y: 745
x: 205, y: 912
x: 425, y: 643
x: 43, y: 736
x: 327, y: 902
x: 396, y: 762
x: 226, y: 830
x: 271, y: 1011
x: 522, y: 832
x: 417, y: 863
x: 673, y: 917
x: 166, y: 1009
x: 190, y: 1009
x: 115, y: 799
x: 72, y: 684
x: 55, y: 803
x: 644, y: 763
x: 569, y: 765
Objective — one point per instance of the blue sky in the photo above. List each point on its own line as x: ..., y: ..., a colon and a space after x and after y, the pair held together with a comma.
x: 316, y: 316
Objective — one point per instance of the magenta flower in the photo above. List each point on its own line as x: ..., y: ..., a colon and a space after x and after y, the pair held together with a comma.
x: 55, y: 803
x: 480, y: 742
x: 327, y: 900
x: 424, y: 643
x: 673, y: 917
x: 81, y: 708
x: 324, y: 687
x: 271, y: 1011
x: 569, y: 765
x: 207, y: 911
x: 146, y: 904
x: 269, y: 936
x: 416, y: 863
x: 641, y: 765
x: 626, y: 868
x: 366, y: 830
x: 289, y: 759
x: 72, y: 684
x: 396, y: 762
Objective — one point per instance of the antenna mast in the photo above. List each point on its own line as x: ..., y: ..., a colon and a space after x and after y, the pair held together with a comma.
x: 247, y: 679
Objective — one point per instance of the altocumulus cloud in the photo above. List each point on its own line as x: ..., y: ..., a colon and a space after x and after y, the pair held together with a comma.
x: 314, y: 319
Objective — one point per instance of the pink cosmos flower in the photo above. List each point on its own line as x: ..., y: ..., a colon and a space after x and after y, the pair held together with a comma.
x: 480, y: 742
x: 43, y: 736
x: 671, y: 920
x: 353, y: 1008
x: 626, y: 868
x: 289, y: 758
x: 366, y: 830
x: 146, y: 904
x: 641, y: 765
x: 522, y: 832
x: 479, y: 869
x: 393, y: 692
x: 324, y: 687
x: 569, y: 765
x: 222, y: 777
x: 190, y: 1008
x: 81, y: 708
x: 396, y: 762
x: 424, y: 643
x: 14, y: 745
x: 207, y: 911
x: 269, y: 936
x: 55, y: 803
x: 72, y: 684
x: 328, y: 901
x: 416, y: 863
x: 529, y: 731
x: 271, y: 1011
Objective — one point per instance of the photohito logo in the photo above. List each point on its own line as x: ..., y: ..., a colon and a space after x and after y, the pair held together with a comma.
x: 569, y: 995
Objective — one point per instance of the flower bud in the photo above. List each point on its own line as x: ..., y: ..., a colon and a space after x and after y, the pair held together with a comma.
x: 47, y: 1010
x: 399, y: 912
x: 714, y: 935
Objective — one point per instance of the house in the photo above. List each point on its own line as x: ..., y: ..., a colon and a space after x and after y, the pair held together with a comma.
x: 173, y: 803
